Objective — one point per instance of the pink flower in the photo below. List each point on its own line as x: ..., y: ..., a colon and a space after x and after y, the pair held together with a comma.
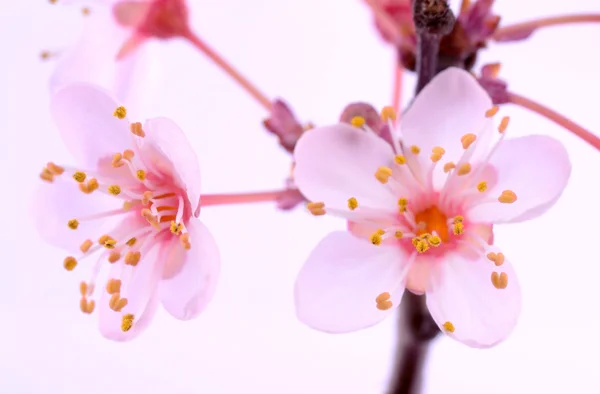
x: 108, y: 52
x: 421, y: 213
x: 129, y: 205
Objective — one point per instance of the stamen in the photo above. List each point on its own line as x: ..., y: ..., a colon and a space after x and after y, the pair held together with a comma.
x: 415, y: 149
x: 399, y: 234
x: 400, y: 160
x: 448, y: 326
x: 133, y: 258
x: 86, y: 245
x: 358, y: 121
x: 55, y: 169
x: 131, y: 241
x: 107, y: 241
x: 383, y: 302
x: 116, y: 303
x: 464, y: 169
x: 117, y: 160
x: 141, y: 175
x: 449, y: 167
x: 507, y: 197
x: 115, y: 190
x: 146, y: 197
x: 500, y: 280
x: 482, y: 186
x: 467, y: 140
x: 83, y: 289
x: 496, y: 258
x: 136, y: 129
x: 376, y: 238
x: 176, y: 228
x: 185, y: 241
x: 85, y: 11
x: 70, y: 263
x: 73, y: 224
x: 113, y: 286
x: 383, y: 174
x: 492, y: 111
x: 434, y: 241
x: 114, y: 256
x: 127, y: 322
x: 128, y: 154
x: 388, y: 114
x: 503, y: 124
x: 316, y: 208
x: 87, y: 306
x: 120, y: 112
x: 46, y: 175
x: 458, y: 228
x: 352, y: 203
x: 79, y: 176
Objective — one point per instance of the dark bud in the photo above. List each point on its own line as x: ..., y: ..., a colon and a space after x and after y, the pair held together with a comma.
x: 433, y: 17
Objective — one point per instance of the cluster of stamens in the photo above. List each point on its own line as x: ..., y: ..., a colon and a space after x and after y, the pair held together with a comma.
x: 162, y: 209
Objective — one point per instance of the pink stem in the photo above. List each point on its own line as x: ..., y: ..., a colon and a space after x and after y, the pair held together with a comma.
x: 229, y: 70
x: 545, y: 22
x: 557, y: 118
x: 243, y: 198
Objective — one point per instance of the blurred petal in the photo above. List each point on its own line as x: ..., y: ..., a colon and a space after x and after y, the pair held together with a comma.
x: 187, y: 292
x: 337, y: 162
x: 462, y: 293
x: 536, y: 168
x: 84, y: 117
x: 166, y: 150
x: 335, y: 290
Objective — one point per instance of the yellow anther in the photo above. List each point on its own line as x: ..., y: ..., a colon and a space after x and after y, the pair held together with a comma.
x: 113, y: 286
x: 507, y: 197
x: 115, y: 190
x: 496, y: 258
x: 376, y: 238
x: 133, y: 258
x: 358, y: 121
x: 146, y: 197
x: 503, y: 124
x: 415, y: 149
x: 492, y: 111
x: 85, y: 11
x: 435, y: 157
x: 86, y: 245
x: 70, y: 263
x: 400, y: 160
x: 185, y: 241
x: 383, y: 174
x: 422, y: 246
x: 103, y: 239
x: 464, y: 169
x: 83, y: 289
x: 120, y: 112
x: 127, y: 205
x: 415, y: 241
x: 107, y: 241
x: 141, y: 175
x: 116, y: 303
x: 117, y: 160
x: 448, y: 326
x: 79, y: 176
x: 467, y: 140
x: 402, y: 201
x: 316, y: 208
x: 383, y: 302
x: 482, y: 186
x: 388, y: 113
x: 128, y: 154
x: 499, y: 280
x: 434, y: 241
x: 176, y: 227
x: 136, y: 129
x: 458, y: 228
x: 92, y: 184
x: 449, y: 167
x: 398, y: 234
x: 87, y: 306
x: 438, y: 150
x: 127, y: 322
x: 46, y: 175
x: 131, y: 241
x: 114, y: 256
x: 458, y: 219
x: 73, y: 224
x: 55, y: 169
x: 382, y: 297
x: 352, y: 203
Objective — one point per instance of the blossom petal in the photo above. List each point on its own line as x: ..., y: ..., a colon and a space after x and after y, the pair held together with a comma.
x: 337, y: 162
x: 187, y: 293
x: 450, y: 106
x: 54, y: 204
x: 93, y: 60
x: 166, y: 150
x: 536, y: 168
x: 462, y: 293
x: 139, y: 286
x: 84, y: 116
x: 335, y: 290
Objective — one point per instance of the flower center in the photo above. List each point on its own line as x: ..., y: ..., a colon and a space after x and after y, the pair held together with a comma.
x: 432, y: 221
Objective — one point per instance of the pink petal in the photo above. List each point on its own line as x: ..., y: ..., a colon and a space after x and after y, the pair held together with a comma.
x: 93, y: 60
x: 450, y: 106
x: 130, y: 13
x: 536, y: 168
x: 187, y: 294
x: 84, y: 116
x: 166, y: 150
x: 139, y: 286
x: 462, y: 293
x: 337, y: 162
x: 54, y: 204
x: 336, y: 288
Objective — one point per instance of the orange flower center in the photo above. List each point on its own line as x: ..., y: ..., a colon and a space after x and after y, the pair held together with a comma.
x: 432, y: 220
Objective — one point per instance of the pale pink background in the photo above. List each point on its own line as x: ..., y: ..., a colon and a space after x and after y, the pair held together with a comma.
x: 319, y: 55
